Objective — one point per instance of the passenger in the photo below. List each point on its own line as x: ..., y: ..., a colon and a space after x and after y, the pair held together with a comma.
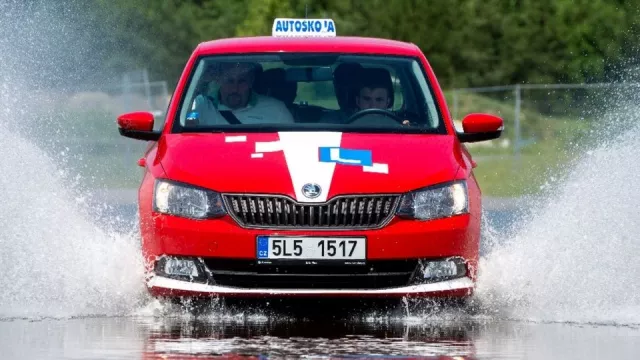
x: 236, y: 102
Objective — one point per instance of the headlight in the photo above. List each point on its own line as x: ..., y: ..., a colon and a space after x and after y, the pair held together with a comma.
x: 186, y: 201
x: 436, y: 202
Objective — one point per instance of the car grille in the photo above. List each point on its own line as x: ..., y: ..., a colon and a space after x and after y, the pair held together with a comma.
x: 273, y: 211
x: 247, y: 274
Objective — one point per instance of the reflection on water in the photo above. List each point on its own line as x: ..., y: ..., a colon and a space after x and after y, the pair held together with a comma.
x: 173, y: 338
x: 216, y: 336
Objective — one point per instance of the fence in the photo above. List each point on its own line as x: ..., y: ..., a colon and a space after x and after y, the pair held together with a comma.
x: 531, y: 112
x: 137, y: 93
x: 132, y: 91
x: 76, y: 125
x: 536, y: 111
x: 538, y: 116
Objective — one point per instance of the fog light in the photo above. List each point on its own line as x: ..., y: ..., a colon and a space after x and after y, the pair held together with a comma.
x: 181, y: 268
x: 440, y: 270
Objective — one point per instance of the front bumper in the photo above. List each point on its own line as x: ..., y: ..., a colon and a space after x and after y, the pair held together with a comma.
x: 230, y: 252
x: 160, y: 286
x: 223, y: 238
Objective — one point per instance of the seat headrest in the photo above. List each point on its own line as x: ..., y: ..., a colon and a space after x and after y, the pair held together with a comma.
x: 345, y: 81
x: 272, y: 82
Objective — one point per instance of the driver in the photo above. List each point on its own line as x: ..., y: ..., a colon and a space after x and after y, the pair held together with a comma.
x: 235, y: 102
x: 375, y: 91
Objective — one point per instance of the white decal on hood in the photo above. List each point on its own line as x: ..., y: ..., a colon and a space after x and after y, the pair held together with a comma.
x: 311, y: 159
x: 268, y: 146
x: 301, y: 153
x: 377, y: 168
x: 235, y: 138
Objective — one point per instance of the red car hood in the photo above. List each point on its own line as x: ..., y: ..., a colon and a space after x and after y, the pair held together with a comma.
x: 282, y: 163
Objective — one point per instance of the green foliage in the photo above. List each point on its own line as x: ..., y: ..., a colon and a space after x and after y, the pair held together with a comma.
x: 468, y: 42
x: 160, y: 35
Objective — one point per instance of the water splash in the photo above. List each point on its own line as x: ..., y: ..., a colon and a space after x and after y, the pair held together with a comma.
x: 575, y: 258
x: 57, y: 260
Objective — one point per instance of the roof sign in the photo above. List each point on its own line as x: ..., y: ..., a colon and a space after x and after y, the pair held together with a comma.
x: 303, y: 28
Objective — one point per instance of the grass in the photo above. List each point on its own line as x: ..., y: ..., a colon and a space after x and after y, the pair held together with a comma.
x: 86, y: 147
x: 550, y: 143
x: 507, y: 175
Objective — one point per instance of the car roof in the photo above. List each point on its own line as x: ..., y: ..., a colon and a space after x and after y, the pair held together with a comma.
x: 338, y: 44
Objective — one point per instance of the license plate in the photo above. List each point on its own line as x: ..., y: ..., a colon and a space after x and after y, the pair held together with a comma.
x: 311, y: 248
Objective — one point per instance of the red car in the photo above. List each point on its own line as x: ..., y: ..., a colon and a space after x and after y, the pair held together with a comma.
x: 307, y: 164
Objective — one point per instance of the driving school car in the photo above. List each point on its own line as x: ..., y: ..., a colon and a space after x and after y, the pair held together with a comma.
x: 273, y: 175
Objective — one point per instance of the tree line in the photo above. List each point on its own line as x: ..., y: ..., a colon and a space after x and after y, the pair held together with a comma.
x: 468, y: 42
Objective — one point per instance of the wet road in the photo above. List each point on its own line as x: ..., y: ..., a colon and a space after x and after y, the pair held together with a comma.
x: 159, y: 332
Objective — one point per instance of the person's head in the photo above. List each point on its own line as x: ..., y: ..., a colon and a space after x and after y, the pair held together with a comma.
x: 374, y: 97
x: 375, y: 90
x: 235, y: 81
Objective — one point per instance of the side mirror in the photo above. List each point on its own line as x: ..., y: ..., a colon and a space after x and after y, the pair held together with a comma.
x: 138, y: 125
x: 481, y: 127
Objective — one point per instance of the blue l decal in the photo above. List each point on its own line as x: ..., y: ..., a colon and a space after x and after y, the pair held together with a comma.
x: 346, y: 156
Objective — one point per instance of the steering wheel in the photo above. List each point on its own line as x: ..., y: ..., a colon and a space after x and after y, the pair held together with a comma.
x: 365, y: 112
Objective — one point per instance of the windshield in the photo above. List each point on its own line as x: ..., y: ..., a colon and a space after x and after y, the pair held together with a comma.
x: 308, y: 91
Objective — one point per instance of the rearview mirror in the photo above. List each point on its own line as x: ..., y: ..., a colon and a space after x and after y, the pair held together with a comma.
x: 480, y: 127
x: 138, y: 125
x: 309, y: 74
